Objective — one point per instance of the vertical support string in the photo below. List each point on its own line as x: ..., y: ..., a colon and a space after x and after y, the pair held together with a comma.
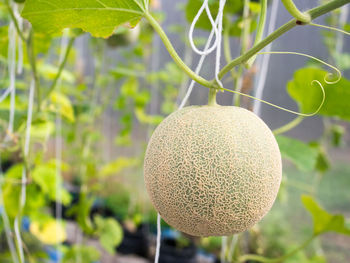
x: 261, y: 79
x: 344, y: 13
x: 12, y: 70
x: 223, y: 249
x: 58, y: 148
x: 159, y: 233
x: 219, y: 40
x: 24, y: 171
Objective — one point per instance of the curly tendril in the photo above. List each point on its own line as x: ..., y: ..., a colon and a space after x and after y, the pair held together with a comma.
x: 282, y: 108
x: 314, y: 82
x: 328, y: 75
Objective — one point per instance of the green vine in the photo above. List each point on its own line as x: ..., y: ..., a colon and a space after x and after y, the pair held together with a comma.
x: 212, y: 97
x: 61, y: 66
x: 314, y: 13
x: 295, y: 12
x: 174, y: 54
x: 260, y: 29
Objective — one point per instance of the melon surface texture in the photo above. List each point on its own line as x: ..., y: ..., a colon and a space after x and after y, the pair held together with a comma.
x: 212, y: 170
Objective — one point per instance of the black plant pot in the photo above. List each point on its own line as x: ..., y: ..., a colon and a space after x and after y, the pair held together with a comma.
x: 136, y: 243
x: 170, y: 253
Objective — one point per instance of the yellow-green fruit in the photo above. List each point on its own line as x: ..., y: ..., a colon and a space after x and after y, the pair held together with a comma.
x: 212, y: 170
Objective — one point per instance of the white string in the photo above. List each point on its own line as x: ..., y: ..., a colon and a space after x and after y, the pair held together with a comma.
x: 12, y: 72
x: 223, y: 249
x: 198, y: 69
x: 205, y: 6
x: 217, y: 29
x: 11, y: 61
x: 20, y: 41
x: 232, y: 246
x: 19, y: 240
x: 159, y: 233
x: 58, y: 146
x: 344, y: 12
x: 24, y: 172
x: 261, y: 79
x: 219, y: 39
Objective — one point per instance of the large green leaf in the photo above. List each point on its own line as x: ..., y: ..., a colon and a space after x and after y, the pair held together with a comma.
x: 309, y: 96
x: 98, y: 17
x: 298, y: 152
x: 324, y: 221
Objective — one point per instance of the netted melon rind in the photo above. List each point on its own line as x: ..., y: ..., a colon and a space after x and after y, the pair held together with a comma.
x: 212, y: 170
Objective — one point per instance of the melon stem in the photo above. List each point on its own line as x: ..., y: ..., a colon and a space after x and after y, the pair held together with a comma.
x: 212, y: 97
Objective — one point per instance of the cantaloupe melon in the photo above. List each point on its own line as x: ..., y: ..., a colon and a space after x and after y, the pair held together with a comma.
x: 212, y: 170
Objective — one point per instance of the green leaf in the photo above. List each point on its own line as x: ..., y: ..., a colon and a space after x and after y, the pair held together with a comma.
x: 98, y: 17
x: 61, y: 104
x: 347, y: 27
x: 143, y: 117
x: 309, y: 96
x: 45, y: 175
x: 110, y: 233
x: 41, y: 130
x: 130, y: 87
x: 50, y: 71
x: 82, y: 212
x: 88, y: 253
x: 324, y: 221
x: 337, y: 134
x: 117, y: 166
x: 11, y: 192
x: 298, y: 152
x: 322, y: 162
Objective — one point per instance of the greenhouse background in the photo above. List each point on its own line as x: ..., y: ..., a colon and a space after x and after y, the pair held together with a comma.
x: 86, y: 199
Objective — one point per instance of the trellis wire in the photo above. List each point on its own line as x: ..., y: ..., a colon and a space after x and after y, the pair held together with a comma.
x: 223, y: 249
x: 24, y: 171
x: 12, y: 71
x: 261, y: 79
x: 58, y: 148
x: 344, y: 13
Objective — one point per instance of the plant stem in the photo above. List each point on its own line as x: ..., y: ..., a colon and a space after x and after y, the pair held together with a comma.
x: 32, y: 62
x: 238, y: 80
x: 260, y: 29
x: 288, y: 126
x: 61, y: 66
x: 314, y: 13
x: 212, y: 97
x: 295, y: 12
x: 14, y: 19
x: 280, y: 259
x: 174, y: 54
x: 228, y: 55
